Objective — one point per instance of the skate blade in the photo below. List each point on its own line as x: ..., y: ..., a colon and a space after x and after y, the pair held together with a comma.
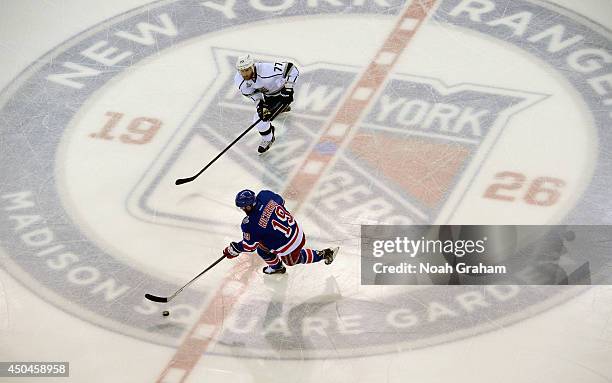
x: 262, y: 153
x: 335, y: 251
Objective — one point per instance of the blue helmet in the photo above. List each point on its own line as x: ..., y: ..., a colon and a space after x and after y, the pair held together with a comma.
x: 245, y: 198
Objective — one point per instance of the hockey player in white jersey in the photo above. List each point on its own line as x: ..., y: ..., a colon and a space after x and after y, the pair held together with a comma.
x: 270, y: 86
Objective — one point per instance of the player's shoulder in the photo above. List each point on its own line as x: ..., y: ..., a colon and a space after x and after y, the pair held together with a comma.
x: 264, y: 66
x: 246, y: 223
x: 266, y: 196
x: 267, y: 70
x: 238, y: 80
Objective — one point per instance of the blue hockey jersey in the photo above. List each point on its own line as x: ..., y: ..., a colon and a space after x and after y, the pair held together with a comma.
x: 270, y: 226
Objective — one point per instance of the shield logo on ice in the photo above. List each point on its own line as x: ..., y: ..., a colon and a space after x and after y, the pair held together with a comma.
x: 420, y: 138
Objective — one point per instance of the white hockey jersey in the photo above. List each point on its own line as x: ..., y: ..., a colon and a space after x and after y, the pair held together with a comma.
x: 269, y: 79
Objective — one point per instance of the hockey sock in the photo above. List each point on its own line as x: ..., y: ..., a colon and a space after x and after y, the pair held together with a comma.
x: 266, y: 134
x: 310, y: 256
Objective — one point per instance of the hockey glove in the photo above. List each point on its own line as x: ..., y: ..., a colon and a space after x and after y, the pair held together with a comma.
x: 231, y: 251
x: 287, y: 95
x: 263, y: 112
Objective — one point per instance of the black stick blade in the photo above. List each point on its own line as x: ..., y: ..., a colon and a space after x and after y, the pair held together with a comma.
x: 156, y: 299
x: 181, y: 181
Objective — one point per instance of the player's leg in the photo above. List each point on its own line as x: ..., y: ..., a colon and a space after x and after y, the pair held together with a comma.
x: 313, y: 256
x: 275, y: 266
x: 266, y: 130
x: 302, y: 255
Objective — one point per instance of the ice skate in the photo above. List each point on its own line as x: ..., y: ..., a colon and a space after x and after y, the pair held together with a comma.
x: 268, y: 270
x: 265, y: 145
x: 330, y: 254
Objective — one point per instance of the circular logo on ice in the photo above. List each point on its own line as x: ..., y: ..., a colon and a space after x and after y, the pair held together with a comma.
x: 94, y: 131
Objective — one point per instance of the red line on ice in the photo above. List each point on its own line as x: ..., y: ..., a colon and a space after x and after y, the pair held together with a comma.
x: 350, y: 111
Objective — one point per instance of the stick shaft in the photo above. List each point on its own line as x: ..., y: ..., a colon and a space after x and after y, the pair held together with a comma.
x: 199, y: 275
x: 227, y: 148
x: 276, y: 113
x: 168, y: 299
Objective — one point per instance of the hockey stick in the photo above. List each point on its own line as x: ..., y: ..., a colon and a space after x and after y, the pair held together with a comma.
x: 181, y: 181
x: 155, y: 298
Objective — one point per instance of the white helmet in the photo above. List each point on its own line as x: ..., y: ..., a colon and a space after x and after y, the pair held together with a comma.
x: 244, y: 62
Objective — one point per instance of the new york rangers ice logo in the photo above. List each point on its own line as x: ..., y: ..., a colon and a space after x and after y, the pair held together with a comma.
x: 421, y: 135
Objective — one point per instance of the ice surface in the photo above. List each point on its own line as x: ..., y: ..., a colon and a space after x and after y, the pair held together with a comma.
x: 463, y: 118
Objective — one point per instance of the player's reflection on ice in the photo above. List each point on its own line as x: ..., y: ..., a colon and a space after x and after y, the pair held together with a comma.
x: 281, y: 312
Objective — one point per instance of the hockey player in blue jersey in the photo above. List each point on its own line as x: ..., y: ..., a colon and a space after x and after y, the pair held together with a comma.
x: 270, y: 86
x: 271, y: 230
